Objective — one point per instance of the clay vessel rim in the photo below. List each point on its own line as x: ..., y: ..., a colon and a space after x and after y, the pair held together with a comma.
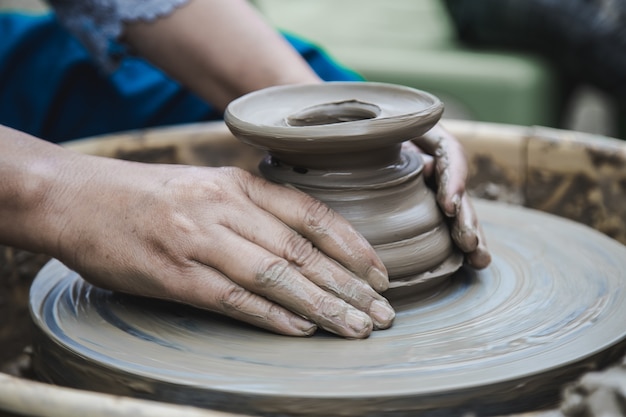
x: 392, y: 120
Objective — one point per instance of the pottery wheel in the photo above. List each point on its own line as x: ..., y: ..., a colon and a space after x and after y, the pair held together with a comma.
x: 552, y: 304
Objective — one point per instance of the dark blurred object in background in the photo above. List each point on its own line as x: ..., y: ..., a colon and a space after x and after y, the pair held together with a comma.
x: 584, y: 39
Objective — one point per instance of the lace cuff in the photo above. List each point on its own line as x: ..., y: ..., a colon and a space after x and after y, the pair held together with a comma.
x: 98, y: 23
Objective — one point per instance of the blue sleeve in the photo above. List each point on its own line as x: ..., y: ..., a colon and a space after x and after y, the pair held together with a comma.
x: 52, y: 88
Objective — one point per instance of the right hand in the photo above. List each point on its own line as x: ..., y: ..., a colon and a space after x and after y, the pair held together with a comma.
x: 445, y: 166
x: 219, y: 239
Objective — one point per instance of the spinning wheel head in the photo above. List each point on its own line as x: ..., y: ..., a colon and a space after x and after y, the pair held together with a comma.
x: 501, y: 340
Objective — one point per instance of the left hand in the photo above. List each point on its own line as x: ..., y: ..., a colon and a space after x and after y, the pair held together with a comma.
x: 444, y: 158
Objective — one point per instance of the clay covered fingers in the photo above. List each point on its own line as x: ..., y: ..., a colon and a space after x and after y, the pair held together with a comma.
x: 224, y: 240
x: 445, y: 162
x: 306, y: 257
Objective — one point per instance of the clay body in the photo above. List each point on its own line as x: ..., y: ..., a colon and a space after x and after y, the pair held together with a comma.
x: 342, y: 143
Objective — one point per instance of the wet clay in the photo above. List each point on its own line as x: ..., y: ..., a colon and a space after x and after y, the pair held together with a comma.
x: 342, y: 143
x: 501, y: 340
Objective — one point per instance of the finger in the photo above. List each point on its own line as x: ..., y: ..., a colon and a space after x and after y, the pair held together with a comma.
x: 276, y: 279
x: 208, y: 289
x: 468, y: 235
x: 428, y: 160
x: 326, y: 229
x: 480, y: 258
x: 429, y: 165
x: 464, y: 229
x: 450, y: 167
x: 269, y: 233
x: 451, y: 172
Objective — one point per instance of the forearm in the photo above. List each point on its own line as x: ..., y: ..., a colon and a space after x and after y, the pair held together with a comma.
x: 220, y: 49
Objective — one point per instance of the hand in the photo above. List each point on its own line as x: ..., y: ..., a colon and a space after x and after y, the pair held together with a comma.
x: 223, y: 240
x: 445, y: 160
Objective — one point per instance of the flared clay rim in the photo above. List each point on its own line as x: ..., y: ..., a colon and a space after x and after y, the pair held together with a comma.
x: 259, y: 118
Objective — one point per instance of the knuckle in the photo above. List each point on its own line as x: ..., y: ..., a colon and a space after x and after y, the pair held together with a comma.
x: 197, y: 187
x: 440, y: 151
x: 299, y: 250
x: 353, y: 290
x: 216, y: 192
x: 233, y: 299
x: 273, y: 272
x: 214, y: 184
x: 318, y: 217
x: 274, y: 311
x: 234, y: 173
x: 237, y: 177
x: 326, y: 306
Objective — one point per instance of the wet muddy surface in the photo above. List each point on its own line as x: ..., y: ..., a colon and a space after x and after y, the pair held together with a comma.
x: 496, y: 341
x: 511, y: 155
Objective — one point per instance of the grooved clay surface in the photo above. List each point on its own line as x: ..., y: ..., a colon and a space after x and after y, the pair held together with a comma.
x: 341, y: 142
x: 551, y: 306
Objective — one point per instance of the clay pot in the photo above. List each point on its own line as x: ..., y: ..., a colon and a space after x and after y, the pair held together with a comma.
x: 342, y: 143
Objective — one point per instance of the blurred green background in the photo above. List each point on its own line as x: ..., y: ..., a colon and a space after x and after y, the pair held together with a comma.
x: 413, y: 42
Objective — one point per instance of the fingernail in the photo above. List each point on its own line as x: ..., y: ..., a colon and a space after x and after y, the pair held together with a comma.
x: 382, y: 314
x: 359, y: 322
x: 378, y: 280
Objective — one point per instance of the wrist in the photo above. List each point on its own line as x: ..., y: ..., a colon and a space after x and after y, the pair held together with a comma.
x: 33, y: 173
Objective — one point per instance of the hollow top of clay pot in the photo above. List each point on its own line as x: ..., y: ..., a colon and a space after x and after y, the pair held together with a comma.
x: 332, y: 117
